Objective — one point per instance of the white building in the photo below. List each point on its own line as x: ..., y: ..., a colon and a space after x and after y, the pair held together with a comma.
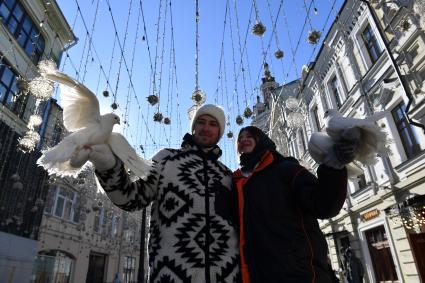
x: 383, y: 220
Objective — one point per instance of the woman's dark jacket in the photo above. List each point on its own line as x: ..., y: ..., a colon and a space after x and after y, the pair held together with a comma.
x: 281, y: 238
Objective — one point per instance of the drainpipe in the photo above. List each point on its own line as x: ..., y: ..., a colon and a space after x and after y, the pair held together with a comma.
x: 395, y: 66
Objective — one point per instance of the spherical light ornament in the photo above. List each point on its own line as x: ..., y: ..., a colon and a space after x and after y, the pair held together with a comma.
x: 279, y: 54
x: 258, y: 29
x: 22, y: 85
x: 295, y: 120
x: 239, y: 120
x: 313, y: 36
x: 29, y: 141
x: 167, y: 121
x: 247, y: 113
x: 105, y: 93
x: 153, y: 99
x: 198, y: 96
x: 230, y: 134
x: 41, y: 88
x: 114, y: 106
x: 34, y: 121
x: 47, y: 66
x: 405, y: 25
x: 157, y: 117
x: 15, y: 177
x: 292, y: 103
x: 18, y: 186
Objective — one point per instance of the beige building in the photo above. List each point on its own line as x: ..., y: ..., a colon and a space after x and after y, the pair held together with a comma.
x: 372, y: 60
x: 85, y: 238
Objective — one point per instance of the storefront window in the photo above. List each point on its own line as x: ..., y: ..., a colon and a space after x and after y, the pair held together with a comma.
x: 52, y: 266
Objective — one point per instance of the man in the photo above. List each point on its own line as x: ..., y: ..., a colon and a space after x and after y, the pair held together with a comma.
x: 191, y: 235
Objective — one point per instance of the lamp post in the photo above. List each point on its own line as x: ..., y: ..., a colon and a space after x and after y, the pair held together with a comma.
x: 396, y: 68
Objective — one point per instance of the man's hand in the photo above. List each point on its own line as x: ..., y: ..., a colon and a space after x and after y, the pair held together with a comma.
x: 345, y: 151
x: 100, y: 155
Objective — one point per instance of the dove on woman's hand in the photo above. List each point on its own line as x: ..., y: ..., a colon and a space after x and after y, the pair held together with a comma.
x: 99, y: 155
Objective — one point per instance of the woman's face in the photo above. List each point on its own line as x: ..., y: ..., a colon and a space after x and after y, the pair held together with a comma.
x: 246, y: 142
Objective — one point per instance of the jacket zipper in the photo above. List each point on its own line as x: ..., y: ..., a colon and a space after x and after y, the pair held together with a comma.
x: 207, y: 224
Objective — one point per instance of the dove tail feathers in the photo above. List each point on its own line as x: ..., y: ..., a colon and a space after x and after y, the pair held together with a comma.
x: 56, y: 160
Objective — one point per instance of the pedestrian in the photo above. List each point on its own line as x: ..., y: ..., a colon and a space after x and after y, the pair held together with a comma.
x: 279, y: 204
x: 353, y: 267
x: 192, y: 238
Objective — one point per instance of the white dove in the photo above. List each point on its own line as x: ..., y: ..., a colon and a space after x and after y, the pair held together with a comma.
x: 81, y: 116
x: 372, y: 140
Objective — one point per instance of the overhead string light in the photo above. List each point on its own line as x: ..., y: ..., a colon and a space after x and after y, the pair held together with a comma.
x: 198, y: 96
x: 147, y: 131
x: 247, y: 113
x: 258, y: 29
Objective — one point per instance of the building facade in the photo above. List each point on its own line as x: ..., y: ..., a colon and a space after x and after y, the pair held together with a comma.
x: 372, y: 61
x: 30, y: 31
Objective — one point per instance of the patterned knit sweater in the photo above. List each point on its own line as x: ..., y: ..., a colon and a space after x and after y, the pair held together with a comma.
x: 191, y: 234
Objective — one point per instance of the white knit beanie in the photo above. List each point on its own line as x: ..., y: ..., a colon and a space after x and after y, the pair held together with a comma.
x: 213, y: 110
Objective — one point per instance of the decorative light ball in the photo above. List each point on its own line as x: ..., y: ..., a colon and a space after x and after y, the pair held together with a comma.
x: 41, y: 88
x: 22, y: 85
x: 313, y: 36
x: 105, y: 93
x: 157, y: 117
x: 258, y: 29
x: 405, y: 25
x: 34, y: 121
x: 15, y: 177
x: 198, y: 96
x: 230, y: 134
x: 295, y: 120
x: 239, y: 120
x: 167, y: 121
x: 279, y: 54
x: 292, y: 103
x: 29, y: 141
x: 247, y: 112
x: 18, y: 186
x: 47, y: 66
x: 153, y: 99
x: 114, y: 105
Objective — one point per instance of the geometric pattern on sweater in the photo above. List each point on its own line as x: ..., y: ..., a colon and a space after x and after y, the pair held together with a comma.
x: 173, y: 203
x: 179, y: 214
x: 191, y: 240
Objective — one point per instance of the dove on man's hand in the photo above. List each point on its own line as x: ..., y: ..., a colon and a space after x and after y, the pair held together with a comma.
x: 81, y: 116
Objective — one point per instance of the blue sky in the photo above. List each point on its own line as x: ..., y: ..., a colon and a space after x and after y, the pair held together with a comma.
x: 130, y: 72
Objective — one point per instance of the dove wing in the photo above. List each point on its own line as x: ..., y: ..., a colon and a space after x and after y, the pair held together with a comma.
x: 80, y: 105
x: 125, y: 152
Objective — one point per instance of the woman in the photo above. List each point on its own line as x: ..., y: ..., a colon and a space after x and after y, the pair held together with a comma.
x: 279, y: 203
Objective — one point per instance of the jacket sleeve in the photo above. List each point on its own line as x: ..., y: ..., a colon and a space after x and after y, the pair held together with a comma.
x: 322, y: 196
x: 132, y: 195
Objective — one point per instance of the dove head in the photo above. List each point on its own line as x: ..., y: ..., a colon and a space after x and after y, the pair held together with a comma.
x: 331, y: 113
x: 112, y: 118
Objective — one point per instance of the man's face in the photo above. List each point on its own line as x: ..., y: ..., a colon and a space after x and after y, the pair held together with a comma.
x: 206, y: 131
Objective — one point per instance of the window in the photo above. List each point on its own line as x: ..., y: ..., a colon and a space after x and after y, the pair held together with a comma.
x: 316, y: 118
x: 9, y: 91
x: 99, y: 221
x: 23, y: 28
x: 129, y: 269
x: 54, y: 265
x: 336, y: 91
x: 407, y: 136
x: 361, y: 181
x: 371, y: 44
x: 64, y: 206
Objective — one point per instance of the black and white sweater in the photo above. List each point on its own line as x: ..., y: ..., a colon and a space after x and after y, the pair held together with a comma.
x: 191, y: 234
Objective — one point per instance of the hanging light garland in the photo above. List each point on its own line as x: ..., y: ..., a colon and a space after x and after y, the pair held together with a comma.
x: 258, y: 29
